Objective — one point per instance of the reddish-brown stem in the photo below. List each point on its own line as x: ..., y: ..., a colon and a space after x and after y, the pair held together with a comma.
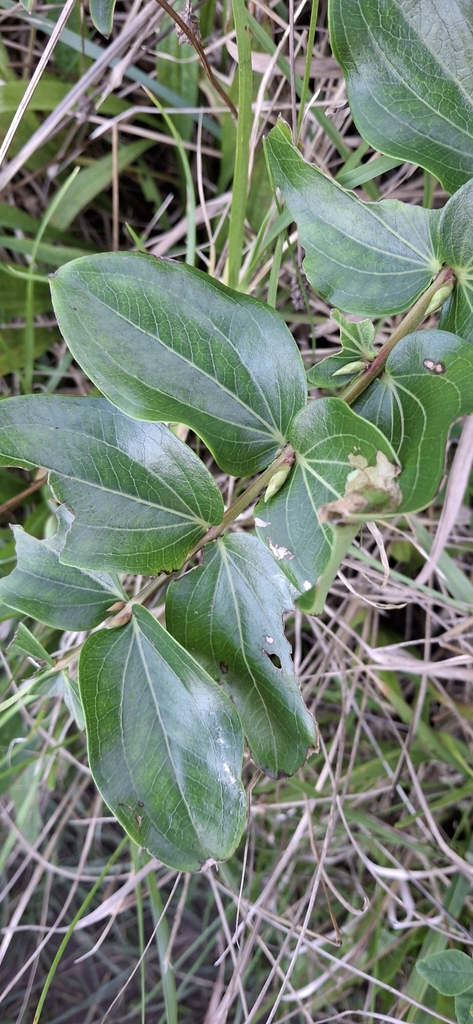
x: 200, y: 51
x: 18, y: 499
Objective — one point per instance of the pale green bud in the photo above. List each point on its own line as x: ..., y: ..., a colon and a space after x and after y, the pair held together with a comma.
x: 276, y: 482
x: 439, y: 298
x: 361, y: 364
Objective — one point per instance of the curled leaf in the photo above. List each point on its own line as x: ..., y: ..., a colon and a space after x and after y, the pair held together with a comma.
x: 369, y: 490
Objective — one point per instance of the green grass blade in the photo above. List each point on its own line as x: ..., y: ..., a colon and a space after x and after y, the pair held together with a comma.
x: 242, y: 155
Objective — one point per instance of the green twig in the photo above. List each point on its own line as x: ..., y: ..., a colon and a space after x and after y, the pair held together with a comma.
x: 285, y: 458
x: 244, y: 500
x: 412, y: 320
x: 242, y: 152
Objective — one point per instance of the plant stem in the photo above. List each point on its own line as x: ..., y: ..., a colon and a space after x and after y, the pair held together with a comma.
x: 195, y: 42
x: 248, y: 496
x: 412, y: 320
x: 236, y: 231
x: 285, y: 458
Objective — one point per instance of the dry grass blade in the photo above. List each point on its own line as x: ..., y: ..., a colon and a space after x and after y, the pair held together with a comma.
x: 66, y: 108
x: 41, y: 65
x: 456, y: 487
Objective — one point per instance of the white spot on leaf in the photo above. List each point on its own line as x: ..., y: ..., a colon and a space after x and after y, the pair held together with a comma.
x: 279, y: 552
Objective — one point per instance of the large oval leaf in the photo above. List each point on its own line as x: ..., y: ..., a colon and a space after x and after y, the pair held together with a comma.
x: 166, y: 342
x: 141, y: 499
x: 165, y: 744
x: 229, y: 614
x: 60, y: 595
x: 408, y: 66
x: 369, y: 258
x: 427, y: 385
x: 311, y: 521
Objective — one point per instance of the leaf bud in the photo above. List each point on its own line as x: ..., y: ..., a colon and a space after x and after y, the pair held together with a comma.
x: 439, y: 298
x: 355, y: 367
x: 276, y: 482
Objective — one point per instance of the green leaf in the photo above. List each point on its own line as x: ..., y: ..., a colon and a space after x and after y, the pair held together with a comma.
x: 357, y: 348
x: 101, y: 12
x: 140, y: 497
x: 73, y: 699
x: 427, y: 385
x: 12, y: 344
x: 47, y: 95
x: 11, y: 485
x: 165, y: 341
x: 179, y: 72
x: 13, y: 301
x: 165, y: 744
x: 375, y: 258
x: 59, y: 595
x: 464, y: 1007
x: 449, y: 972
x: 456, y: 249
x: 26, y: 643
x: 407, y: 65
x: 229, y: 615
x: 60, y: 684
x: 368, y: 258
x: 366, y: 172
x: 327, y: 491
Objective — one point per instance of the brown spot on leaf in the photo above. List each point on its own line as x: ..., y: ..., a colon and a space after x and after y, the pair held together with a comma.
x: 433, y: 367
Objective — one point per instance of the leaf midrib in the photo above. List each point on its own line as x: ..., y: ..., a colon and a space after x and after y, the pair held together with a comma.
x: 178, y: 355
